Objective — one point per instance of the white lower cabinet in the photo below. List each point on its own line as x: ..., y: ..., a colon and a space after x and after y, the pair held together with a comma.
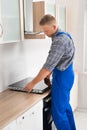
x: 32, y: 119
x: 74, y: 93
x: 11, y: 126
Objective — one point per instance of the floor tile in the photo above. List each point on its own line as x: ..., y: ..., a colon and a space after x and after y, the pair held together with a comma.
x: 81, y: 120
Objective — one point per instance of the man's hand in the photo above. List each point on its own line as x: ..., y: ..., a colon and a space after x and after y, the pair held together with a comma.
x: 40, y: 76
x: 47, y: 81
x: 29, y: 87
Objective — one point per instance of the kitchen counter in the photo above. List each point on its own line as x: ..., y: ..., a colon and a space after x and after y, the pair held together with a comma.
x: 13, y: 104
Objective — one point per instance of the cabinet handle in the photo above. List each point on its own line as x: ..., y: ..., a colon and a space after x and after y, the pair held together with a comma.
x: 1, y: 33
x: 23, y: 117
x: 48, y: 99
x: 32, y: 113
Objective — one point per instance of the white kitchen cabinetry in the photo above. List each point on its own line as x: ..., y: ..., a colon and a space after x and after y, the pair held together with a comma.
x: 40, y: 8
x: 32, y: 119
x: 10, y: 27
x: 11, y: 126
x: 61, y: 16
x: 1, y: 31
x: 74, y: 93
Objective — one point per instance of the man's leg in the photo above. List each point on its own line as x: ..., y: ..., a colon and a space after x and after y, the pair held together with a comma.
x: 61, y: 110
x: 70, y: 117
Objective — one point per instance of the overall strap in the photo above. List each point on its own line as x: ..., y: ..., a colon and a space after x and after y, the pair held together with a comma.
x: 59, y: 33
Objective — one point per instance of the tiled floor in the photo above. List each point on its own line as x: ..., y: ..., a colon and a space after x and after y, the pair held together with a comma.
x: 81, y: 120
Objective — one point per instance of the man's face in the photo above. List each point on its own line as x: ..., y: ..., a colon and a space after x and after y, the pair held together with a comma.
x: 49, y: 30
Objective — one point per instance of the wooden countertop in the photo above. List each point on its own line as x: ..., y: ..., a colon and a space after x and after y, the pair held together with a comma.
x: 13, y: 104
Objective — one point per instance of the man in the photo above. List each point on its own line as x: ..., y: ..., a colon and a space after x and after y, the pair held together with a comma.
x: 60, y: 63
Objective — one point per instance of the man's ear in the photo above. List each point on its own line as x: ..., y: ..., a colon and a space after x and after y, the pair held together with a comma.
x: 54, y: 26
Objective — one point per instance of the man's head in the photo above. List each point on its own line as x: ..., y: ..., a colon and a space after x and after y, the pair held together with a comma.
x: 48, y: 24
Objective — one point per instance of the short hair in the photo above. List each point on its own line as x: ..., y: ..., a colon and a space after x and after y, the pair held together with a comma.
x: 47, y: 19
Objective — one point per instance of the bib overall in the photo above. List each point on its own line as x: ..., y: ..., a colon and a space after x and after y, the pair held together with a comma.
x: 62, y: 82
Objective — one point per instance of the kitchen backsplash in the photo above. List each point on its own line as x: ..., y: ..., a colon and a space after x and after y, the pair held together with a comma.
x: 20, y: 60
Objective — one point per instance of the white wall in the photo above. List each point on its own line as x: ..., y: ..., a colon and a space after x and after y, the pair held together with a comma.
x: 20, y: 60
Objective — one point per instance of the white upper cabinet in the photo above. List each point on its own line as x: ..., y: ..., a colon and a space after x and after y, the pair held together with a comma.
x: 33, y: 12
x: 1, y: 30
x: 50, y: 7
x: 61, y: 16
x: 10, y: 27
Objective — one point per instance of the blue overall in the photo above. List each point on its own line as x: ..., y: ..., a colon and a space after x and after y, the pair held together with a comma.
x: 62, y: 82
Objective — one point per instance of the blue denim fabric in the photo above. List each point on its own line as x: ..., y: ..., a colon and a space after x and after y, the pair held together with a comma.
x: 62, y: 114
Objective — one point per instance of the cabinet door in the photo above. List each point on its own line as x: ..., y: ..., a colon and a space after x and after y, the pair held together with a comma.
x: 10, y: 17
x: 50, y: 7
x: 24, y: 122
x: 1, y: 31
x: 74, y: 93
x: 32, y: 119
x: 40, y: 8
x: 11, y: 126
x: 38, y: 116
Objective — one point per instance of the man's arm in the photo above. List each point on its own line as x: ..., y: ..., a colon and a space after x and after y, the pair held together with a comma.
x: 43, y: 73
